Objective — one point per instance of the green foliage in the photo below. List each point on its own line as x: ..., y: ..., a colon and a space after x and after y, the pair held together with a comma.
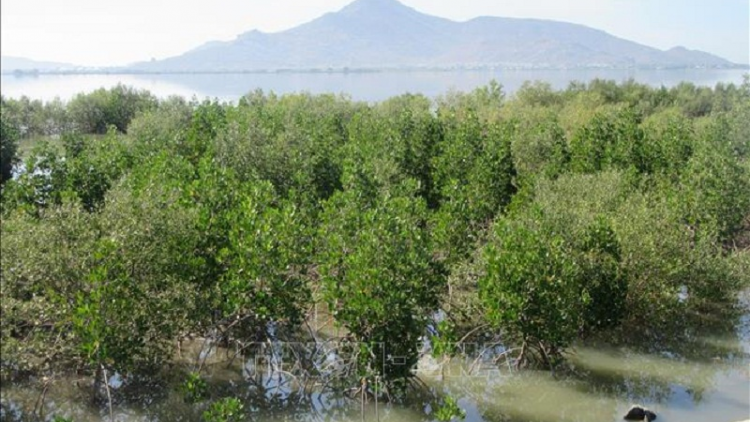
x: 547, y: 216
x: 8, y: 147
x: 738, y: 122
x: 604, y: 287
x: 530, y: 287
x: 266, y: 255
x: 487, y: 101
x: 117, y: 106
x: 32, y: 118
x: 213, y: 192
x: 86, y: 168
x: 142, y: 317
x: 694, y: 101
x: 208, y: 119
x: 448, y: 410
x: 378, y: 277
x: 194, y: 388
x: 93, y: 166
x: 475, y: 178
x: 411, y: 138
x: 117, y: 295
x: 712, y: 176
x: 443, y: 340
x: 228, y: 409
x: 161, y: 129
x: 669, y: 142
x: 656, y: 249
x: 565, y: 234
x: 537, y: 94
x: 539, y: 147
x: 73, y: 144
x: 42, y: 182
x: 612, y: 140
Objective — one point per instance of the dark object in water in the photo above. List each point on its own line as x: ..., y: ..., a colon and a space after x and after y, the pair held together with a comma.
x: 639, y: 413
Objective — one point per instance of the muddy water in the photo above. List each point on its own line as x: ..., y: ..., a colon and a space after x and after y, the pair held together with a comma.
x: 702, y: 378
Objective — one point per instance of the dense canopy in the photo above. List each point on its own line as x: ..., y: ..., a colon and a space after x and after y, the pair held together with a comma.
x: 133, y: 223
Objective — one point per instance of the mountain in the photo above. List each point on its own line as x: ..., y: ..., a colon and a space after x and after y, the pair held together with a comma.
x: 10, y: 64
x: 378, y: 34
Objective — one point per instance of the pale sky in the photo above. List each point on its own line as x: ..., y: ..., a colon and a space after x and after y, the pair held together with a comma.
x: 118, y: 32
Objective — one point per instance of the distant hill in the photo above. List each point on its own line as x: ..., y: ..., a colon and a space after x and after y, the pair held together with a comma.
x: 378, y: 34
x: 10, y: 64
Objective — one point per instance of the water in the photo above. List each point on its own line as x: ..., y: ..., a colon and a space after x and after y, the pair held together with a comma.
x: 703, y: 376
x: 372, y: 86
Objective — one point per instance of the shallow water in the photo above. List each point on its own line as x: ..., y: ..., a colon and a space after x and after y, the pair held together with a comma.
x: 699, y: 378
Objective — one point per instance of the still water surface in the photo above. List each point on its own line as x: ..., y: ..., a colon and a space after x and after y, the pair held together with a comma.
x: 373, y: 86
x: 699, y: 378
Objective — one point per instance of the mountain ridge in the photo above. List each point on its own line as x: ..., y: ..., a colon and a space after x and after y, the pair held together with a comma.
x: 15, y: 63
x: 385, y: 34
x: 388, y: 35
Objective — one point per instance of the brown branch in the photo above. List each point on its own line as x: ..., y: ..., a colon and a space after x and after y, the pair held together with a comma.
x: 109, y: 396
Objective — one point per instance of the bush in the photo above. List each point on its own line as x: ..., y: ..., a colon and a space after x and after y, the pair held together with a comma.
x: 612, y: 140
x: 117, y: 295
x: 530, y: 289
x: 378, y: 277
x: 265, y: 258
x: 227, y: 409
x: 97, y: 111
x: 8, y: 148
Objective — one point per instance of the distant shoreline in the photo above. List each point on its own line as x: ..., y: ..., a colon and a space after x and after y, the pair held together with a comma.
x: 73, y: 72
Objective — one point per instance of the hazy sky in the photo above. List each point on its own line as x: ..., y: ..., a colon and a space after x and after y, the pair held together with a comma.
x: 116, y: 32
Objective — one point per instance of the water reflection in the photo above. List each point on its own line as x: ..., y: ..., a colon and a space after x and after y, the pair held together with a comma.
x: 698, y: 373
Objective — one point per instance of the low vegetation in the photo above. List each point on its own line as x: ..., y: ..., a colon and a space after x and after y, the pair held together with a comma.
x: 533, y: 221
